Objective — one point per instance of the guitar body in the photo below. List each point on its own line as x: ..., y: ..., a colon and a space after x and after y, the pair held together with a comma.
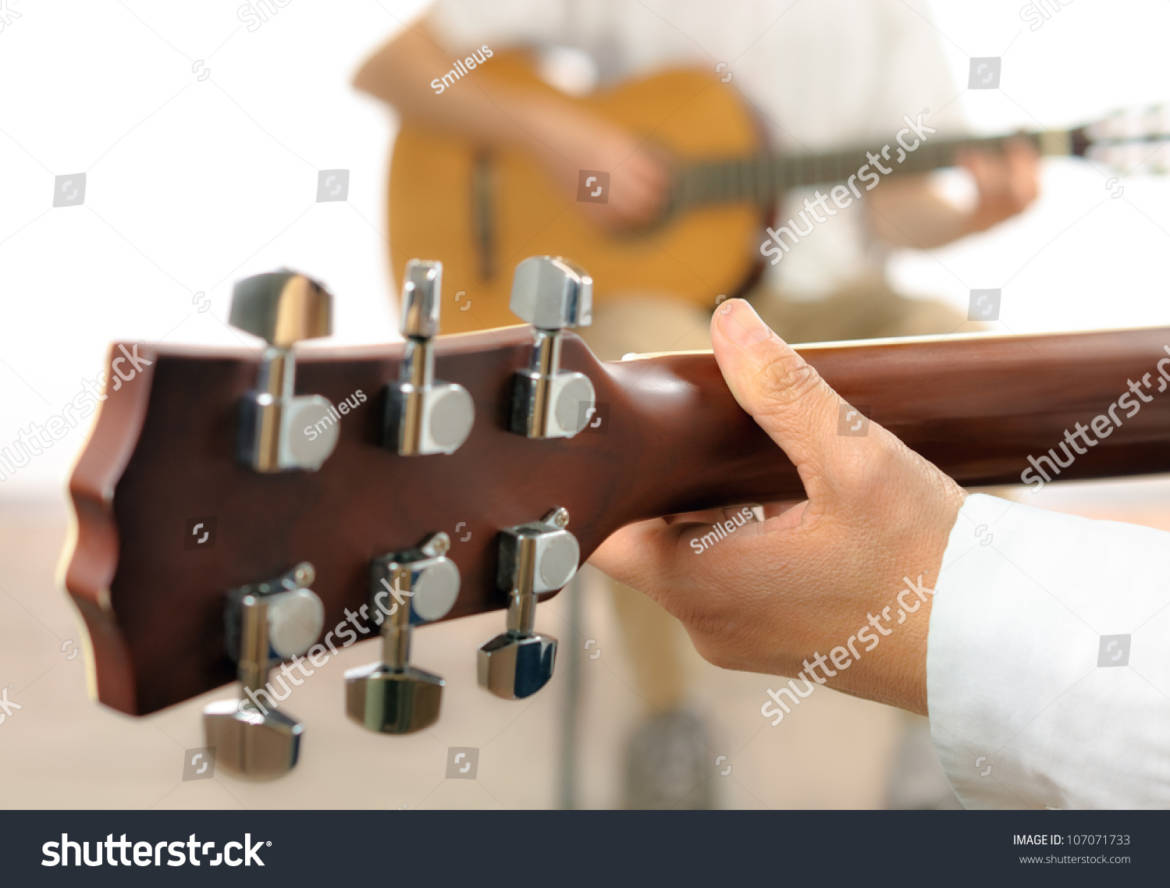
x: 481, y: 211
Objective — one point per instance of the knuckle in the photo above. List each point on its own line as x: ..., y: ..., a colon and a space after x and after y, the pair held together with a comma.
x: 870, y: 469
x: 787, y: 379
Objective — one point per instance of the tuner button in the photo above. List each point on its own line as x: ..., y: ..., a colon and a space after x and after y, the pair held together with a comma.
x: 420, y: 299
x: 547, y: 402
x: 393, y: 701
x: 282, y: 308
x: 574, y: 402
x: 449, y: 414
x: 541, y: 556
x: 557, y: 560
x: 249, y: 735
x: 251, y: 743
x: 393, y: 697
x: 516, y: 666
x: 424, y: 415
x: 552, y: 293
x: 295, y: 621
x: 434, y: 591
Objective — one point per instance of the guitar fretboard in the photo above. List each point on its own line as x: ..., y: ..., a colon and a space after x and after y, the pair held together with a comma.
x: 759, y: 178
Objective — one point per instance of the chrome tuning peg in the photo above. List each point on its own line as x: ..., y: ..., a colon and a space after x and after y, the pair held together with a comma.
x: 547, y: 402
x: 534, y: 558
x: 424, y: 415
x: 283, y: 308
x: 271, y: 620
x: 392, y: 696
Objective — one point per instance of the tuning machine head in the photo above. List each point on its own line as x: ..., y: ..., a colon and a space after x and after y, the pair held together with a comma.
x: 515, y: 666
x: 552, y: 294
x: 407, y: 588
x: 283, y: 308
x: 535, y: 558
x: 424, y: 415
x: 249, y: 735
x: 259, y: 745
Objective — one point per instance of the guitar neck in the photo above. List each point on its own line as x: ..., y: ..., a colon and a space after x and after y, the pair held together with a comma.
x: 760, y: 178
x: 979, y: 407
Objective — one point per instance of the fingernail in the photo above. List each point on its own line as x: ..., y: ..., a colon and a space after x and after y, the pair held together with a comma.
x: 739, y: 322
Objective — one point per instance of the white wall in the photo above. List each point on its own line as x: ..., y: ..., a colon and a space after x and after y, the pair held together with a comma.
x: 1080, y: 259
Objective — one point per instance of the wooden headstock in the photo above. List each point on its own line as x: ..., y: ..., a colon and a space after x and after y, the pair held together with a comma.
x: 162, y: 458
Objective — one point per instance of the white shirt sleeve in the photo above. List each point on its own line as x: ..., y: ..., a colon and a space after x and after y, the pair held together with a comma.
x: 504, y: 24
x: 1048, y: 660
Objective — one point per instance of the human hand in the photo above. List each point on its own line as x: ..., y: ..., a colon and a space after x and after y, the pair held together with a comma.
x: 817, y: 575
x: 1005, y: 183
x: 569, y: 141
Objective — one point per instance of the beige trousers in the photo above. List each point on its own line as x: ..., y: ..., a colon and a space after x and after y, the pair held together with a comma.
x: 657, y: 645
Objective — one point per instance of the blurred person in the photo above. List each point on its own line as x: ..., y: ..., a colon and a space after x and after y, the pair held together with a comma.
x: 822, y: 75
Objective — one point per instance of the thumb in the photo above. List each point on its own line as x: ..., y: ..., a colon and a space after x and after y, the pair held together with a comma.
x: 779, y: 389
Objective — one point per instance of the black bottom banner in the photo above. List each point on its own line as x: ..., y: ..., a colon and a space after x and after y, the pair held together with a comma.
x: 583, y: 847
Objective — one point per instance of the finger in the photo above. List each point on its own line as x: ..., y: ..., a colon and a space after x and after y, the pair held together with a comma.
x: 640, y: 554
x: 790, y: 510
x: 779, y: 507
x: 710, y: 516
x: 650, y: 162
x: 652, y: 191
x: 784, y: 395
x: 1023, y: 173
x: 989, y: 174
x: 634, y: 199
x: 738, y: 535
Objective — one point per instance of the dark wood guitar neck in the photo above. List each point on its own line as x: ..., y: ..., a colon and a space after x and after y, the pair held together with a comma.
x: 761, y: 177
x: 978, y: 407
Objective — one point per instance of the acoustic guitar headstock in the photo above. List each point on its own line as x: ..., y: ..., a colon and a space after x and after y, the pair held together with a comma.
x: 238, y: 508
x: 1129, y: 141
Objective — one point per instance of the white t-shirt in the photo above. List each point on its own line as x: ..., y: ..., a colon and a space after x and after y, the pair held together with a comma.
x: 821, y: 74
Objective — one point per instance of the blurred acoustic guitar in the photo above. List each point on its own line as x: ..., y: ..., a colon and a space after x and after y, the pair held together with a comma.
x: 481, y: 211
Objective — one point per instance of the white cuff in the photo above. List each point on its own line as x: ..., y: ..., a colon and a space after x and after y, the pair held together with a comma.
x: 1048, y: 660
